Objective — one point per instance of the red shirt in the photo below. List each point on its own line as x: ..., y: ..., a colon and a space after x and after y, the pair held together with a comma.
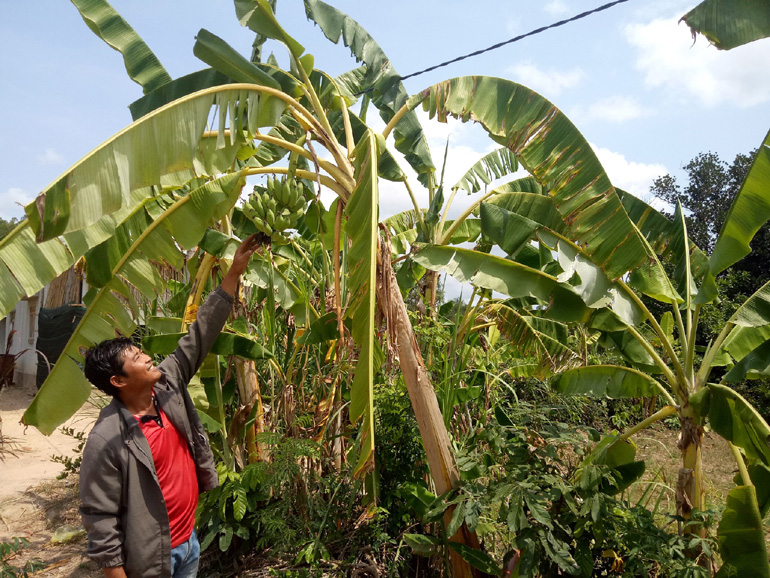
x: 175, y: 469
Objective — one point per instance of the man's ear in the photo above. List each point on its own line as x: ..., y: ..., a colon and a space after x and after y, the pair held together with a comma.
x: 118, y: 380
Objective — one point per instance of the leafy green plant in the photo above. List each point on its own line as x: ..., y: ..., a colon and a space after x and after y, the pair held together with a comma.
x: 71, y: 463
x: 9, y: 550
x: 532, y: 493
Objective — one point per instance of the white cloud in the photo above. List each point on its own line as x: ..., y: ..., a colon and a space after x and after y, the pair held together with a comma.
x: 550, y: 83
x: 12, y: 202
x: 50, y: 157
x: 615, y: 109
x: 556, y: 8
x: 699, y: 72
x: 630, y: 176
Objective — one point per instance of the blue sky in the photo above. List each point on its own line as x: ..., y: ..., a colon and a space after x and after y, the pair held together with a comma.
x: 630, y: 78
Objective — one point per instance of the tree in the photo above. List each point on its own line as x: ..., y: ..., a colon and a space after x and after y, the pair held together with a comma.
x: 711, y: 186
x: 7, y: 226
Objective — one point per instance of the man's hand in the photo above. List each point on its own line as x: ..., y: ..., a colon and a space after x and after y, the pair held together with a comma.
x: 240, y: 262
x: 114, y: 572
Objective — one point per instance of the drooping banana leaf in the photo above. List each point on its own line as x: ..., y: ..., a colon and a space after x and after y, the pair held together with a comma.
x: 362, y: 229
x: 66, y: 388
x: 744, y: 340
x: 495, y: 165
x: 27, y: 266
x: 226, y: 344
x: 536, y: 336
x: 388, y: 93
x: 589, y: 281
x: 730, y: 23
x: 755, y: 311
x: 142, y: 65
x: 508, y: 230
x: 549, y: 146
x: 533, y: 206
x: 734, y: 418
x: 662, y: 235
x: 218, y: 54
x: 742, y: 536
x: 258, y: 16
x: 631, y: 350
x: 749, y: 211
x: 507, y: 277
x: 162, y: 147
x: 614, y: 381
x: 755, y: 364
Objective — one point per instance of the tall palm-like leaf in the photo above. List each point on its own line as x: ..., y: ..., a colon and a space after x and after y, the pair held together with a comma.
x: 749, y: 211
x: 728, y: 24
x: 142, y: 65
x: 548, y: 145
x: 388, y: 93
x: 362, y: 228
x: 152, y: 239
x: 165, y: 147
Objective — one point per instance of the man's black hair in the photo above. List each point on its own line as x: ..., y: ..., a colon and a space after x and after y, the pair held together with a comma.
x: 104, y: 361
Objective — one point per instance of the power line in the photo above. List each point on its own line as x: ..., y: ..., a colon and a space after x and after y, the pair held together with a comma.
x: 510, y: 41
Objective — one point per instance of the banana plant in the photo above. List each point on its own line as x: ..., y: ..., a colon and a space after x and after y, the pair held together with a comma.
x: 609, y: 260
x: 176, y: 141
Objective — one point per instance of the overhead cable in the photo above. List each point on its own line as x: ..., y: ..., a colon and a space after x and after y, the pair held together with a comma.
x: 511, y: 41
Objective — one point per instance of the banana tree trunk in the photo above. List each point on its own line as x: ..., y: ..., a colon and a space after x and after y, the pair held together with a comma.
x: 429, y: 285
x: 435, y: 437
x: 689, y: 488
x: 248, y: 389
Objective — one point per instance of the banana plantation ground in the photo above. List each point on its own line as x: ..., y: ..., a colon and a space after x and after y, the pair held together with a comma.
x: 595, y: 405
x: 36, y: 505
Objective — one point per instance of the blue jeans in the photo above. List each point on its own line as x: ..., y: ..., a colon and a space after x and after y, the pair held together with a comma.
x: 184, y: 558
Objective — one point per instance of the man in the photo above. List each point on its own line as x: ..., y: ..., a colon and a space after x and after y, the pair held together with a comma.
x: 147, y: 457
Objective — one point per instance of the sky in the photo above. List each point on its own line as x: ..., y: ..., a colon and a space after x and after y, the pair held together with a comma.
x: 644, y: 94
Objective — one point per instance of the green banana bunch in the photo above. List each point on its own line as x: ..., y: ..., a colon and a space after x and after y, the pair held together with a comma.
x: 277, y: 206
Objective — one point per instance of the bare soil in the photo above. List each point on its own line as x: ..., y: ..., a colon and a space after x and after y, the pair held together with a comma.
x: 657, y: 446
x: 33, y: 503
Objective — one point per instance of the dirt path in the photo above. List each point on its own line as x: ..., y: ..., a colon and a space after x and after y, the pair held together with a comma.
x: 33, y: 503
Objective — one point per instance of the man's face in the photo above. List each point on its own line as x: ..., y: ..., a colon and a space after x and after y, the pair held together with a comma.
x: 139, y: 373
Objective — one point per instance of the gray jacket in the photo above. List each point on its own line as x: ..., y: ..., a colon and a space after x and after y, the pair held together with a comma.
x: 122, y: 505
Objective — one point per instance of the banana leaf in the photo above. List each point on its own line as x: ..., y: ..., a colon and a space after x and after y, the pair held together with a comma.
x: 662, y: 235
x: 161, y: 148
x: 505, y: 276
x: 258, y: 16
x: 533, y: 206
x: 728, y: 24
x: 66, y: 389
x: 614, y: 381
x: 362, y: 229
x: 755, y: 364
x: 226, y: 344
x: 755, y: 311
x: 218, y: 54
x: 744, y: 340
x: 749, y: 211
x: 495, y: 165
x: 388, y: 93
x: 142, y: 65
x: 509, y: 231
x: 550, y: 148
x: 734, y: 418
x: 742, y: 537
x: 589, y: 281
x: 534, y: 336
